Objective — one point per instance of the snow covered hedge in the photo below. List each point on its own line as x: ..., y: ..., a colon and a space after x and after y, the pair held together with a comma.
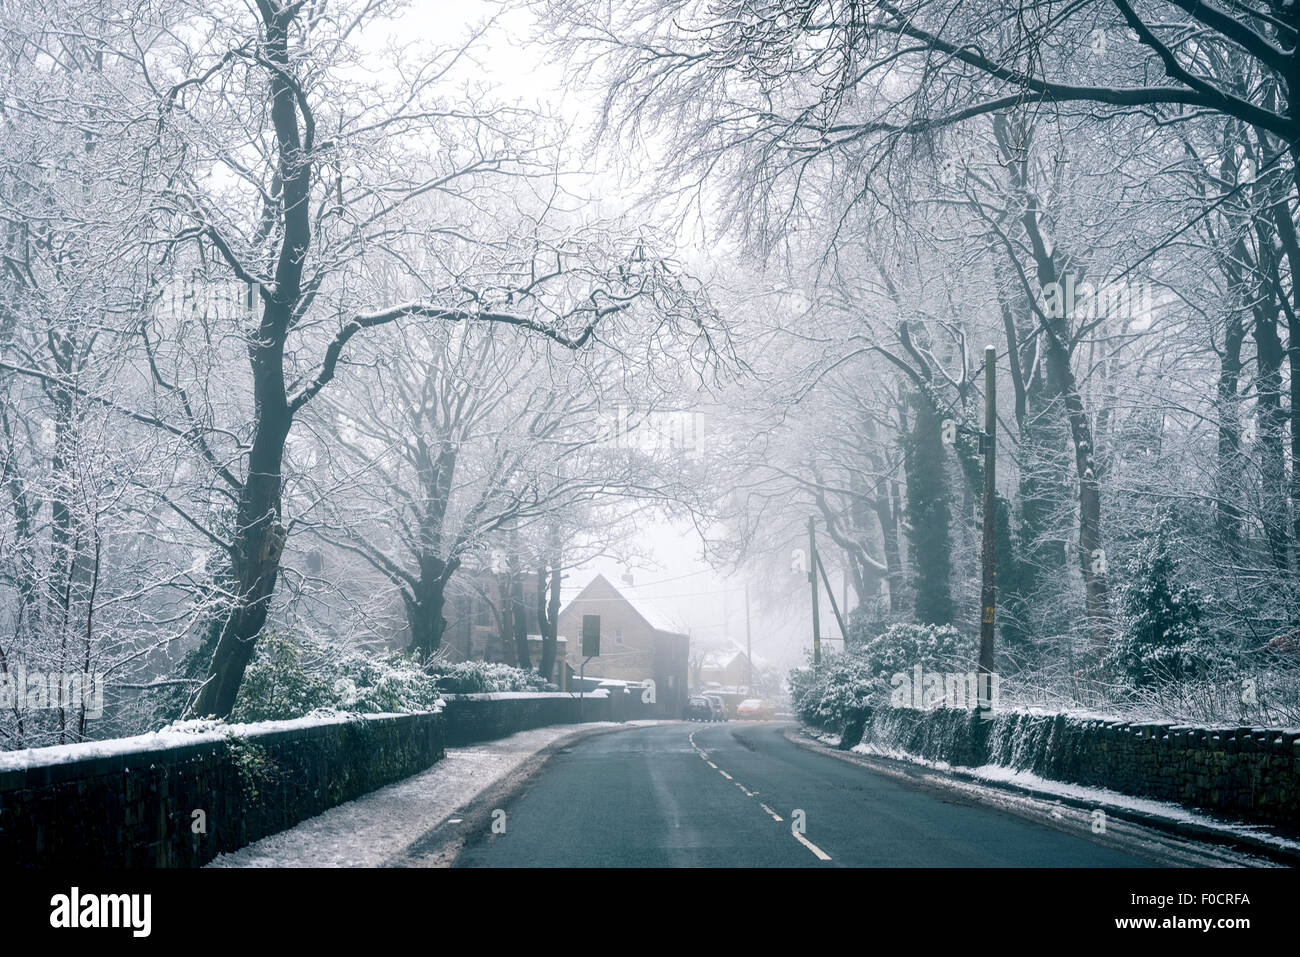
x: 826, y: 694
x: 290, y: 677
x: 482, y: 677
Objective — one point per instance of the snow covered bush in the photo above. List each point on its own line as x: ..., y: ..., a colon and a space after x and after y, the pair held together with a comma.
x: 826, y: 694
x: 384, y: 685
x: 480, y: 677
x: 829, y: 693
x: 292, y: 677
x: 280, y: 682
x: 933, y: 647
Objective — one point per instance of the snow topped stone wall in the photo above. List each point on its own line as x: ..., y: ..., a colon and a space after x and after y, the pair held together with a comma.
x: 181, y: 797
x: 484, y: 717
x: 1252, y: 773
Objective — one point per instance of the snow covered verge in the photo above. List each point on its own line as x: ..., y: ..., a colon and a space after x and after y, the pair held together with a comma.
x: 378, y: 827
x: 1249, y: 774
x: 1149, y: 811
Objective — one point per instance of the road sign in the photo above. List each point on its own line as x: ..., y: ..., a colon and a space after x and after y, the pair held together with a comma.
x: 590, y: 636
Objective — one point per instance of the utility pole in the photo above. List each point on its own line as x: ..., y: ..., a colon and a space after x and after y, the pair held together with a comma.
x: 812, y: 580
x: 988, y: 591
x: 830, y: 593
x: 749, y: 647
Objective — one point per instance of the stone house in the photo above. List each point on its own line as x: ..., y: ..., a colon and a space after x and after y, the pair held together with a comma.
x: 636, y: 642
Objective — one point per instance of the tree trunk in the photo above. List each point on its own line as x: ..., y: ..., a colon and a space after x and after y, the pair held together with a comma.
x: 1229, y: 465
x: 519, y: 618
x: 255, y: 566
x: 424, y: 615
x: 1058, y: 348
x: 1272, y: 433
x: 1291, y: 246
x: 506, y: 631
x: 928, y: 514
x: 1273, y: 419
x: 548, y: 608
x: 880, y: 502
x: 1092, y: 557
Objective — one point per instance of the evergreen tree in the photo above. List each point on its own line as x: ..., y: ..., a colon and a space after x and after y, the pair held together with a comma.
x: 1163, y: 638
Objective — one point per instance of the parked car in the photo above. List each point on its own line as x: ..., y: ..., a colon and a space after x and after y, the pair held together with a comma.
x: 698, y: 708
x: 753, y: 709
x: 719, y: 710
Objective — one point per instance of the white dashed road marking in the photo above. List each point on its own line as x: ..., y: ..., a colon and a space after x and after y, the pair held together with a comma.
x: 821, y: 855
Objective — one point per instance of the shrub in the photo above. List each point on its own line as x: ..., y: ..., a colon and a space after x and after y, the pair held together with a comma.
x: 829, y: 693
x: 826, y: 694
x: 291, y: 677
x: 933, y: 647
x: 280, y: 683
x: 392, y: 684
x: 479, y: 677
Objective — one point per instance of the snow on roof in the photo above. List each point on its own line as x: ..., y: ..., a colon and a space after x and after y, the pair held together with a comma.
x: 655, y: 615
x: 720, y: 660
x: 658, y: 617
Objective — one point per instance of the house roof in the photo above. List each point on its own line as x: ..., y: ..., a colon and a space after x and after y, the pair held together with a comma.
x: 723, y: 654
x: 653, y: 615
x: 720, y: 660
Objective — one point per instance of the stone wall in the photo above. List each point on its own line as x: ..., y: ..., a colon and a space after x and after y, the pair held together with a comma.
x: 1251, y: 773
x: 483, y: 717
x: 132, y: 802
x: 135, y: 806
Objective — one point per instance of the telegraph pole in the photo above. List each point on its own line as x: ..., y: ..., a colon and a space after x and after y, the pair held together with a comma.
x: 812, y: 580
x: 988, y: 591
x: 830, y: 593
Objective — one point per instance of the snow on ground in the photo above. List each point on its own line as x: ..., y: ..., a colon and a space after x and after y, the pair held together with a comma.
x: 1042, y: 787
x: 1102, y: 797
x: 376, y: 826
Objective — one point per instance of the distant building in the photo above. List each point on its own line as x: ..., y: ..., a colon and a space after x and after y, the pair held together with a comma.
x: 727, y: 667
x: 636, y: 643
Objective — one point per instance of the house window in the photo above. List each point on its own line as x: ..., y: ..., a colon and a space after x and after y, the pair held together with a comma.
x: 618, y: 636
